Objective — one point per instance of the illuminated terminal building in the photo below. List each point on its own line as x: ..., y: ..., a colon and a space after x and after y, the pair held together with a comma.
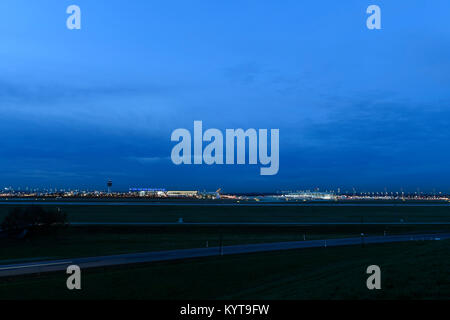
x: 160, y: 192
x: 145, y: 192
x: 182, y: 193
x: 308, y: 195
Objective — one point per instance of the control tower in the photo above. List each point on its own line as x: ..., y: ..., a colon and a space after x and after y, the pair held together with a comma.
x: 109, y: 185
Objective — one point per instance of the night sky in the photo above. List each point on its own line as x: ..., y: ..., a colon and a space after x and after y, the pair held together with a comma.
x: 355, y: 107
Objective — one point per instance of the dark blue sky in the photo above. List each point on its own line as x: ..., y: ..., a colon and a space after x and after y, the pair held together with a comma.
x: 355, y: 107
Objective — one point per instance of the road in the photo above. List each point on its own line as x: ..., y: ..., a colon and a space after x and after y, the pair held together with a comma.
x: 123, y: 259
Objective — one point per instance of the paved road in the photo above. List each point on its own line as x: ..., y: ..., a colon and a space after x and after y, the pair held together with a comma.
x: 60, y: 265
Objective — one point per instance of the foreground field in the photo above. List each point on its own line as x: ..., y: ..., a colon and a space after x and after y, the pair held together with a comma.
x: 255, y: 213
x: 73, y: 242
x: 86, y: 241
x: 409, y: 271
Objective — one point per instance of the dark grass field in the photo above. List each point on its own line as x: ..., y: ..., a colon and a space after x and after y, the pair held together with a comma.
x: 93, y: 241
x: 240, y: 213
x: 418, y: 270
x: 409, y: 271
x: 72, y: 242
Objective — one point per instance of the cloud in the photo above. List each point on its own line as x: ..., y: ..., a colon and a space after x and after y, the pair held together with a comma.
x: 11, y: 92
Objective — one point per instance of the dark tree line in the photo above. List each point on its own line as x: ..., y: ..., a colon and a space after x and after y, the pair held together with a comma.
x: 33, y: 218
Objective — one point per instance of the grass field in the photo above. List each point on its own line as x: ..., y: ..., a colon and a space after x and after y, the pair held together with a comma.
x: 73, y: 242
x: 264, y: 213
x: 419, y: 270
x: 94, y: 241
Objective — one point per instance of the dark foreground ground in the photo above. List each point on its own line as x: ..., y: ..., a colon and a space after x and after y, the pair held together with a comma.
x: 74, y: 242
x: 418, y: 270
x: 253, y: 212
x: 415, y: 270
